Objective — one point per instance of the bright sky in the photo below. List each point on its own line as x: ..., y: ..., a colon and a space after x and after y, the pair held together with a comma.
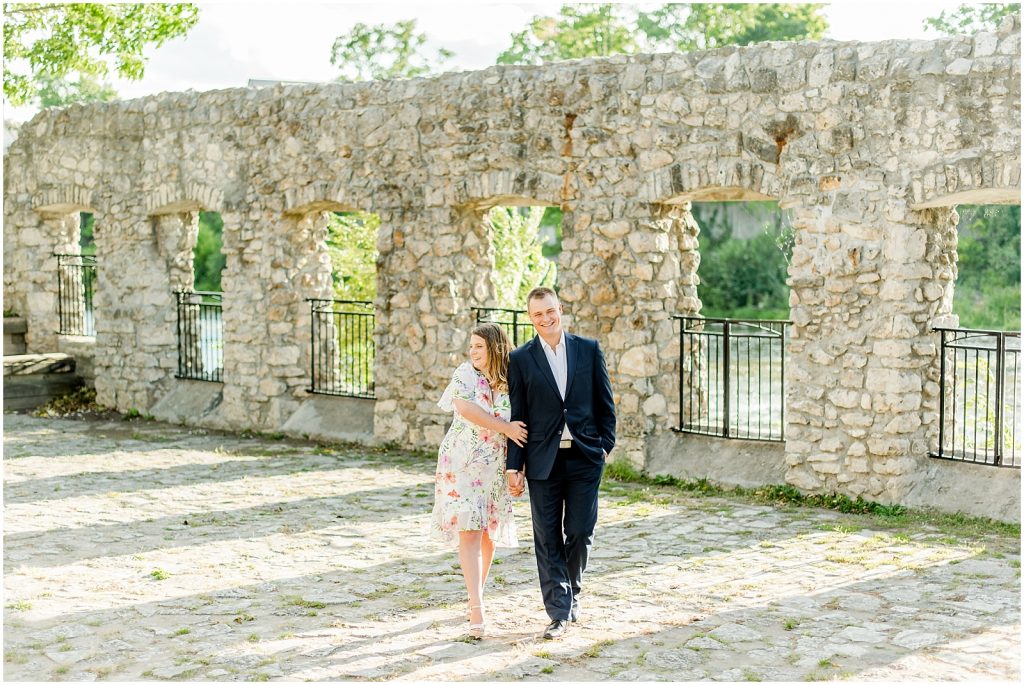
x: 291, y: 41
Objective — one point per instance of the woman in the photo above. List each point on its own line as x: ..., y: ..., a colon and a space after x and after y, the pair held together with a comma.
x: 472, y: 507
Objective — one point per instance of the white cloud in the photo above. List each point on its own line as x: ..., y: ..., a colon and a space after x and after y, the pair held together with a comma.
x: 875, y: 21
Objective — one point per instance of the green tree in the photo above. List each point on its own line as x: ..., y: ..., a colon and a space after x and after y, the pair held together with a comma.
x: 602, y: 29
x: 207, y: 258
x: 578, y: 31
x: 968, y: 19
x: 745, y: 278
x: 373, y: 53
x: 50, y: 41
x: 54, y: 92
x: 519, y: 262
x: 352, y: 246
x: 86, y: 239
x: 685, y: 27
x: 987, y: 291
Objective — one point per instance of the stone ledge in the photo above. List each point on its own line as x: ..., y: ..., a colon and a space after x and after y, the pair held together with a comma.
x: 31, y: 364
x: 15, y: 325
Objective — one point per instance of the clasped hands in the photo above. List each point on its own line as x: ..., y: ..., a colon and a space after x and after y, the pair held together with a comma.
x: 516, y: 432
x: 516, y: 482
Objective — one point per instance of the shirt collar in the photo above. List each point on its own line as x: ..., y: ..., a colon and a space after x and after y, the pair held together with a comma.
x: 561, y: 342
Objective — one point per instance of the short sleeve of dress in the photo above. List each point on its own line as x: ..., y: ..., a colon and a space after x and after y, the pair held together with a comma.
x: 462, y: 387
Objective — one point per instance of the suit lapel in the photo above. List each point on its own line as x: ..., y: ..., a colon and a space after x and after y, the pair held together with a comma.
x: 542, y: 363
x: 571, y: 356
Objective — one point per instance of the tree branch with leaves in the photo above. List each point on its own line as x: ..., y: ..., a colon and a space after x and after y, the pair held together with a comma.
x: 381, y: 52
x: 968, y: 19
x: 46, y: 43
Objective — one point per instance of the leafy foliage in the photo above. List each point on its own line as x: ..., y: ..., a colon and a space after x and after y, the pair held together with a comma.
x: 578, y: 31
x: 48, y: 42
x: 371, y: 53
x: 208, y: 259
x: 57, y: 92
x: 519, y: 262
x: 77, y: 403
x: 987, y: 291
x: 968, y: 19
x: 743, y: 278
x: 86, y: 239
x: 352, y: 246
x: 594, y: 30
x: 703, y: 26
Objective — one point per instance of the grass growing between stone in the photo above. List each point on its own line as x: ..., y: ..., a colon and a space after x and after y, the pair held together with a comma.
x: 657, y: 490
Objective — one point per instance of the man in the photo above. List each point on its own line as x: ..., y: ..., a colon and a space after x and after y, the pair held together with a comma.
x: 558, y: 385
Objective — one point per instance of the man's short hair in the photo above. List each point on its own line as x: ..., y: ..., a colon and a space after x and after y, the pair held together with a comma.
x: 540, y: 294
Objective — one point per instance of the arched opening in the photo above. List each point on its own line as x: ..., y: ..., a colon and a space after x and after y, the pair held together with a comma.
x: 745, y: 248
x: 343, y: 348
x: 200, y: 309
x: 980, y: 396
x: 208, y: 258
x: 76, y: 277
x: 734, y: 352
x: 526, y: 241
x: 987, y: 288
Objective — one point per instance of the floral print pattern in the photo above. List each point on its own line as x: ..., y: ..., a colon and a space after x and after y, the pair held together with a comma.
x: 469, y: 487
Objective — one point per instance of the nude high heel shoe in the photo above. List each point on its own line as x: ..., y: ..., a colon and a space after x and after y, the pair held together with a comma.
x: 477, y: 630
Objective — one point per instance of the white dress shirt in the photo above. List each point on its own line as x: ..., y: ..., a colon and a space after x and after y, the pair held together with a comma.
x: 559, y: 364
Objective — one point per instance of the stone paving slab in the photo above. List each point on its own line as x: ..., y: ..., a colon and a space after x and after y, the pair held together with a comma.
x: 140, y: 550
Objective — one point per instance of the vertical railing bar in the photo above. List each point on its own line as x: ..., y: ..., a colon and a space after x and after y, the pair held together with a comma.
x: 90, y: 293
x: 191, y: 352
x: 942, y: 388
x: 997, y: 451
x: 177, y: 307
x: 312, y: 347
x: 782, y: 380
x: 977, y: 367
x: 980, y: 448
x: 204, y: 351
x: 206, y: 323
x: 1015, y: 456
x: 726, y: 380
x: 187, y: 311
x: 79, y: 295
x: 682, y: 367
x: 60, y: 294
x: 760, y: 381
x: 746, y: 340
x: 963, y: 421
x: 1016, y: 399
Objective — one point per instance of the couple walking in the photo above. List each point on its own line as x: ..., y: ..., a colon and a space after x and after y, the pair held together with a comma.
x: 542, y: 414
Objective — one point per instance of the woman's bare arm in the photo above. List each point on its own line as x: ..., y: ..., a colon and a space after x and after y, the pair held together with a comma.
x: 474, y: 413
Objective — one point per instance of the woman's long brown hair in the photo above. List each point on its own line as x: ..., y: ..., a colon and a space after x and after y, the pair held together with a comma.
x: 498, y: 350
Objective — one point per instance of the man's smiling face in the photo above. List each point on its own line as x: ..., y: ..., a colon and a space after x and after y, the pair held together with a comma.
x: 546, y: 316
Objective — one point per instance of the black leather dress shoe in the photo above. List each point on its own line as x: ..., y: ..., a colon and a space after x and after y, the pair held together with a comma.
x: 574, y: 611
x: 555, y: 629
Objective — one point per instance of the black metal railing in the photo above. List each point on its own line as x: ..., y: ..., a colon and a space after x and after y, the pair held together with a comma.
x: 515, y: 322
x: 732, y: 378
x: 200, y: 336
x: 76, y: 279
x: 342, y: 348
x: 979, y: 397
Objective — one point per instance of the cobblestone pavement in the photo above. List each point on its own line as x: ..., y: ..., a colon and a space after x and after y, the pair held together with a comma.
x: 135, y: 550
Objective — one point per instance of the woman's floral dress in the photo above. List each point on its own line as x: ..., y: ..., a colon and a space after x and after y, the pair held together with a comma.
x: 469, y: 488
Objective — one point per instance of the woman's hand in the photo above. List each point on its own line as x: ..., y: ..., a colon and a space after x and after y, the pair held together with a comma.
x: 516, y: 432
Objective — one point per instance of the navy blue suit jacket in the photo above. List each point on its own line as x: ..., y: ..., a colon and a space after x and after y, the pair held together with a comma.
x: 588, y: 408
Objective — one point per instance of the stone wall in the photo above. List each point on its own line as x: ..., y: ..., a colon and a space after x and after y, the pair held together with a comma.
x: 871, y: 145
